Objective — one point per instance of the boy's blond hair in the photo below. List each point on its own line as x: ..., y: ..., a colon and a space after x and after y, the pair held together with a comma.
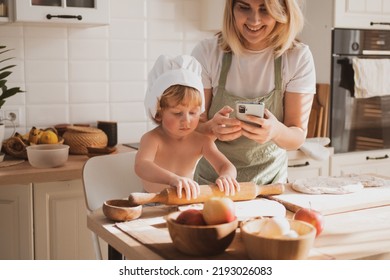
x: 289, y: 23
x: 177, y: 95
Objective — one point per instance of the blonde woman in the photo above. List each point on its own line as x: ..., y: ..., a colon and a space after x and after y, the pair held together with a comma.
x: 256, y: 58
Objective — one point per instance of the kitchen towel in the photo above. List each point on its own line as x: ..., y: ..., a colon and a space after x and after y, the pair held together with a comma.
x: 315, y: 148
x: 371, y: 77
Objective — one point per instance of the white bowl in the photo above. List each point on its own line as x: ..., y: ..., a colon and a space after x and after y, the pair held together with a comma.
x: 47, y: 155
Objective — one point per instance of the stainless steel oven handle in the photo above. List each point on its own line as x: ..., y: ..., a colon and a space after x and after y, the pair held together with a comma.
x: 375, y: 52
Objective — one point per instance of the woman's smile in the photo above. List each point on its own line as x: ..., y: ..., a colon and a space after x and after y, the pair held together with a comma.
x: 253, y: 22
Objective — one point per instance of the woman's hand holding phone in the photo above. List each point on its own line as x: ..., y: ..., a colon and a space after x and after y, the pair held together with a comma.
x: 224, y: 127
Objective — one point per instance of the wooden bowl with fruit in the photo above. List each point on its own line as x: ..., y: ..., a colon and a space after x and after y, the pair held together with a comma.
x: 204, y: 232
x: 277, y: 238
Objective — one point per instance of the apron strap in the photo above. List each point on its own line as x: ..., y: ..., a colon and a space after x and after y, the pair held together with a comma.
x: 226, y: 62
x: 278, y: 73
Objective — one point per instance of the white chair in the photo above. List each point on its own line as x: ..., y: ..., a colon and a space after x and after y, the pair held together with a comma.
x: 108, y: 177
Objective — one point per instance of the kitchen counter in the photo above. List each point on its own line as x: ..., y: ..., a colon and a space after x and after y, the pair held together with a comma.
x: 24, y: 173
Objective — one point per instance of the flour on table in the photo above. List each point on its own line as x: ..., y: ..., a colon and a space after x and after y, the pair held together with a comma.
x: 368, y: 181
x: 327, y: 185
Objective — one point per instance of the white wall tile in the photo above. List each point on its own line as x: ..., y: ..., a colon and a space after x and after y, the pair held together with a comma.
x: 15, y: 45
x: 128, y: 112
x: 11, y: 30
x: 131, y: 132
x: 46, y: 49
x: 97, y: 32
x: 88, y: 92
x: 127, y: 91
x: 127, y: 50
x: 129, y: 29
x: 46, y: 93
x: 158, y: 47
x: 88, y: 49
x: 128, y: 9
x: 165, y: 30
x: 46, y: 71
x: 41, y: 31
x: 127, y: 71
x: 89, y: 71
x: 164, y: 9
x: 46, y: 115
x: 16, y: 78
x: 88, y: 113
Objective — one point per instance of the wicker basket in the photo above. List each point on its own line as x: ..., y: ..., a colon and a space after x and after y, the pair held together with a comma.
x: 79, y: 138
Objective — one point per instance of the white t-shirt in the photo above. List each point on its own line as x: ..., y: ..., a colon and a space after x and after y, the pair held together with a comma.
x: 252, y: 74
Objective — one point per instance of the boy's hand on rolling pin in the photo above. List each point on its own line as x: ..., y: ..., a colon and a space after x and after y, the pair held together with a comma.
x: 190, y: 187
x: 227, y: 184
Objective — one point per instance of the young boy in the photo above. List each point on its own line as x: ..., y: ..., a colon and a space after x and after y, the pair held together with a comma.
x: 169, y: 153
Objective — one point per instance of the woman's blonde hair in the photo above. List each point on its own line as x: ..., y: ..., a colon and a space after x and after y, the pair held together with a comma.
x: 175, y: 95
x: 289, y: 23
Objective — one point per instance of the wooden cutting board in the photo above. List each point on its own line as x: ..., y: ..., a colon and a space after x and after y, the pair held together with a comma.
x: 329, y: 204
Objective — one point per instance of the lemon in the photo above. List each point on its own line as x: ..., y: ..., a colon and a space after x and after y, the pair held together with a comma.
x: 48, y: 137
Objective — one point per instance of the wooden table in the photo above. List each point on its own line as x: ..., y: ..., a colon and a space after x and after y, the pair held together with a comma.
x: 363, y: 234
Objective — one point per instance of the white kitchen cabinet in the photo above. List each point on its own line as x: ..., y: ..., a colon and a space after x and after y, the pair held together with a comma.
x: 366, y: 14
x: 374, y: 161
x: 301, y: 166
x: 4, y: 11
x: 60, y: 222
x: 16, y: 219
x: 78, y: 12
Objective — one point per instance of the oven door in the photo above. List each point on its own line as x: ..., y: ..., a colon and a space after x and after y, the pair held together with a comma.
x: 357, y: 124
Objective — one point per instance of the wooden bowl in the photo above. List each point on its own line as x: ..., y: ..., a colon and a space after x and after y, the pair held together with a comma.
x: 278, y: 248
x: 121, y: 210
x: 200, y: 240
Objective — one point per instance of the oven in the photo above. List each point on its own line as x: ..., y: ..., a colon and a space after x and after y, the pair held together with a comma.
x: 358, y: 124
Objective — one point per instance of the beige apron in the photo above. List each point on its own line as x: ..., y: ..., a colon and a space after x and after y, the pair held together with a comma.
x: 260, y: 163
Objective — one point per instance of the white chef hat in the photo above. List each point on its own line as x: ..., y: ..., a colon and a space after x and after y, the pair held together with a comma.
x: 168, y: 71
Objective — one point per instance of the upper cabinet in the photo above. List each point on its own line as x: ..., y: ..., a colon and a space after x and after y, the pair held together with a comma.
x: 365, y: 14
x: 4, y: 11
x: 78, y: 12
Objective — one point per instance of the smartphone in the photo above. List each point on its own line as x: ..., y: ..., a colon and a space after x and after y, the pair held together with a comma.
x: 255, y: 109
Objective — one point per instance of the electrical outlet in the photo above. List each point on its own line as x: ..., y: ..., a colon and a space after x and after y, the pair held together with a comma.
x: 12, y: 117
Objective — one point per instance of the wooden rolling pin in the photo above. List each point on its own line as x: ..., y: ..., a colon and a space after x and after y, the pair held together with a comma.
x: 249, y: 190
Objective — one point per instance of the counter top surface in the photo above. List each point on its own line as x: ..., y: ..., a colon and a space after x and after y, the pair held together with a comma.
x: 362, y: 234
x: 24, y: 173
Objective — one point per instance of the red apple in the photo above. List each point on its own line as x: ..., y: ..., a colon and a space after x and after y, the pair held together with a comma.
x: 312, y: 217
x: 191, y: 217
x: 218, y: 210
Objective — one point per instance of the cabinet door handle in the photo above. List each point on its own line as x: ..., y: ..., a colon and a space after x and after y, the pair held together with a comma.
x: 375, y: 158
x: 300, y: 164
x: 379, y: 23
x: 49, y: 16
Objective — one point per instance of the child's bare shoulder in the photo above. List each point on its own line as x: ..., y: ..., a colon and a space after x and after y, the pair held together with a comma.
x: 153, y: 135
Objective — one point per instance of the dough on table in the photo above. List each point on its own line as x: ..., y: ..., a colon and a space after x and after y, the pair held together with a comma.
x: 327, y: 185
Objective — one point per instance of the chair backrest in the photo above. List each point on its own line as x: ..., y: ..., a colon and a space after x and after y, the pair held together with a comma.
x: 109, y: 177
